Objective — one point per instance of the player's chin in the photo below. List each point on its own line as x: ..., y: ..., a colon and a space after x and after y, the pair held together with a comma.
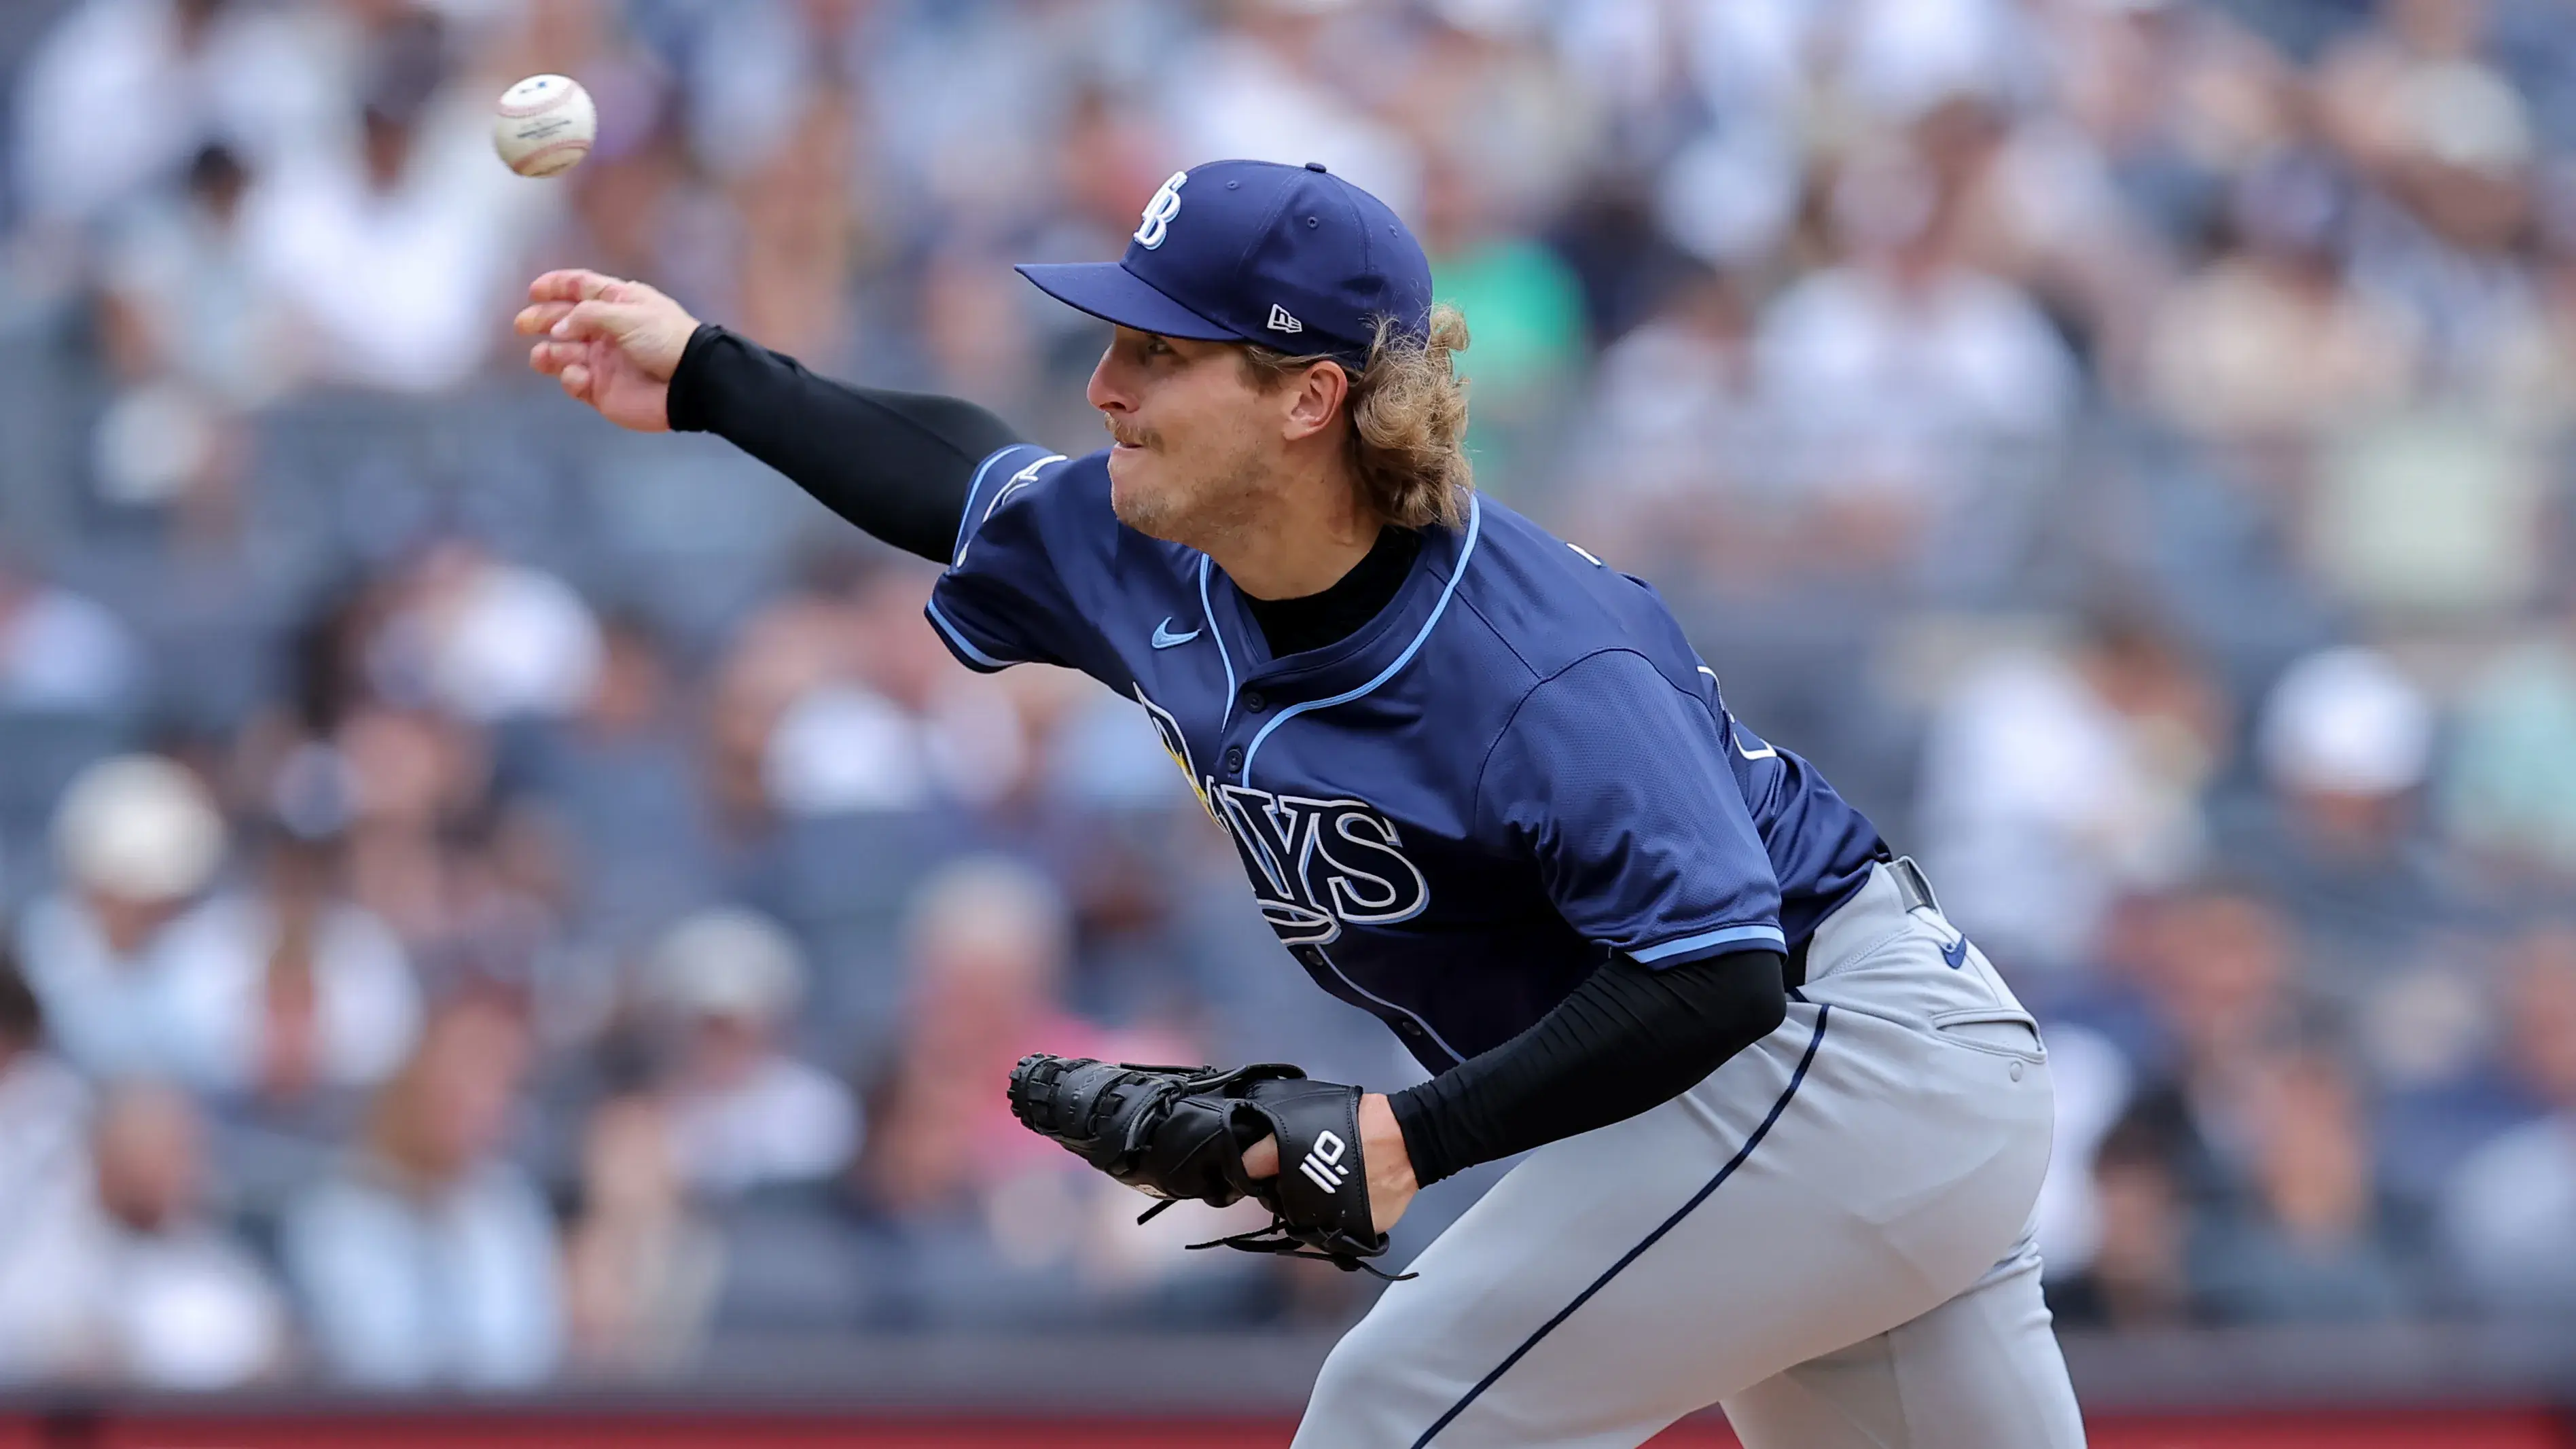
x: 1136, y: 492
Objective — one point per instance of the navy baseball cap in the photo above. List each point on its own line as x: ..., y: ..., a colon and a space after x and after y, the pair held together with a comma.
x: 1291, y: 257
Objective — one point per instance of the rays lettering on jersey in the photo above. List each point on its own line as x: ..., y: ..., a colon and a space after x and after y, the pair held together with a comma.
x: 1316, y: 865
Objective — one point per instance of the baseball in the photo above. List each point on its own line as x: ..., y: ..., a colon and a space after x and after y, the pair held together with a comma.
x: 543, y: 125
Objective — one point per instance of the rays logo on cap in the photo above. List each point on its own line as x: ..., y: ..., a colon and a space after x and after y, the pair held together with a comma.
x: 1160, y: 211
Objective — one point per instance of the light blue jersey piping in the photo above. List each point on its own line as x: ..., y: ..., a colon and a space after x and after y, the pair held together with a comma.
x: 967, y: 520
x: 1723, y: 936
x: 965, y: 645
x: 1475, y: 521
x: 1208, y: 617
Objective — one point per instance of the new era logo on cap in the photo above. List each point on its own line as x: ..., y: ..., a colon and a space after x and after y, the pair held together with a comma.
x: 1264, y: 251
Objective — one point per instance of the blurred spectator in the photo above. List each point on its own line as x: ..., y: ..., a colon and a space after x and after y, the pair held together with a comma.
x: 121, y: 93
x: 430, y: 1257
x: 988, y: 945
x: 623, y: 776
x: 2305, y: 1242
x: 2179, y: 97
x: 288, y: 989
x: 796, y: 235
x: 1653, y: 486
x: 2054, y: 783
x: 2378, y: 539
x: 1899, y: 374
x: 44, y: 1159
x: 413, y: 194
x: 2269, y: 341
x: 869, y: 712
x: 2345, y: 736
x: 2038, y: 203
x: 998, y: 1225
x: 142, y: 1284
x: 2511, y: 1208
x: 640, y: 1265
x: 471, y: 882
x: 1283, y: 81
x: 795, y: 730
x: 61, y: 651
x: 2221, y: 971
x: 2413, y: 39
x: 1525, y: 306
x: 2448, y: 143
x: 180, y: 299
x: 2345, y: 741
x: 743, y: 1113
x: 487, y: 640
x: 136, y: 839
x: 2510, y: 773
x: 2137, y: 1277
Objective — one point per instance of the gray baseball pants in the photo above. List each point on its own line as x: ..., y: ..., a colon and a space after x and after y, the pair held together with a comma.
x: 1827, y: 1237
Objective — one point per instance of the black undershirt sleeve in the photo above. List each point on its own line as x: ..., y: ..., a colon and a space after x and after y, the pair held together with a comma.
x: 895, y: 464
x: 1628, y: 1039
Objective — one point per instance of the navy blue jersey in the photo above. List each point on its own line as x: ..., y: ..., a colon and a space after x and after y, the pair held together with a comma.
x: 1453, y: 815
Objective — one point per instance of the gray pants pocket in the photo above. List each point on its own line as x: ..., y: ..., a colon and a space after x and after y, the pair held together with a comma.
x: 2003, y: 1031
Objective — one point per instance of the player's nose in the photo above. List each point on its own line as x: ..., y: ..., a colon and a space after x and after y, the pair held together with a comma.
x: 1108, y: 390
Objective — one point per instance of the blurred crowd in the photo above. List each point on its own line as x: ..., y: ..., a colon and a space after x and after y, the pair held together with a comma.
x: 488, y: 898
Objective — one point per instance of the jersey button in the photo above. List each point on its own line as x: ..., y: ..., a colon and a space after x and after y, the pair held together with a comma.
x: 1253, y: 701
x: 1233, y: 758
x: 1410, y: 1028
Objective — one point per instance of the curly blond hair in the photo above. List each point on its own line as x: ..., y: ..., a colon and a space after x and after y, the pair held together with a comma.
x: 1408, y: 410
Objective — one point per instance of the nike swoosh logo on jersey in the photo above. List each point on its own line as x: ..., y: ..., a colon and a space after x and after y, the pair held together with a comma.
x: 1164, y: 638
x: 1956, y: 953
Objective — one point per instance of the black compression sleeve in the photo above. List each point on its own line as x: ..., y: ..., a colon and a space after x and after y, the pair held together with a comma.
x: 1627, y: 1039
x: 896, y: 464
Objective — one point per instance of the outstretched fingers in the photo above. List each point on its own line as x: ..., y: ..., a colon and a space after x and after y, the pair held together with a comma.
x: 609, y: 321
x: 575, y: 284
x: 540, y: 317
x: 553, y: 296
x: 567, y: 363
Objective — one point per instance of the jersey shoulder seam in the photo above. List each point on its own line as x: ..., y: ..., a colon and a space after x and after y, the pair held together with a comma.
x: 1501, y: 638
x: 1512, y: 716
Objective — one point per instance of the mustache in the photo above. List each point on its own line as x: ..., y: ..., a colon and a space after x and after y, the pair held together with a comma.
x: 1132, y: 436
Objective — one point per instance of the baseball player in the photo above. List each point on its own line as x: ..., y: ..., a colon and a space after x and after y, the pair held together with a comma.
x: 1785, y: 1124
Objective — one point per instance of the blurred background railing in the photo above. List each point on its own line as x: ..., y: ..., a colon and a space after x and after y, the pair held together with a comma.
x: 496, y: 902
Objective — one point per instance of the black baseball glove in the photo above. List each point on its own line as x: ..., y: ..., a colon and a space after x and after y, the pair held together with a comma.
x: 1180, y: 1132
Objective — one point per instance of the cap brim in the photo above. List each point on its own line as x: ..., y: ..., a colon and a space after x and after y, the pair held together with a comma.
x: 1109, y: 291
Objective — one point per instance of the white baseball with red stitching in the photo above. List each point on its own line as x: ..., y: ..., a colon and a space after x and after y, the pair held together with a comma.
x: 544, y: 125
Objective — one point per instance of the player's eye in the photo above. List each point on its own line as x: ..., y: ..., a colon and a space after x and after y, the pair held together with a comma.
x: 1157, y: 347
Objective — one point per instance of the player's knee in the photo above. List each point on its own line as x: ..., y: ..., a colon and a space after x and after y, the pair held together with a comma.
x: 1374, y: 1388
x: 1349, y: 1398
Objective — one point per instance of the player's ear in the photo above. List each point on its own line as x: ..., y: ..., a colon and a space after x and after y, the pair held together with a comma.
x: 1315, y: 398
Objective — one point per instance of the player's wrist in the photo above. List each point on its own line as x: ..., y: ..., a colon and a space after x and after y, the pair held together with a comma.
x: 1382, y: 1147
x: 687, y: 394
x: 1415, y: 1110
